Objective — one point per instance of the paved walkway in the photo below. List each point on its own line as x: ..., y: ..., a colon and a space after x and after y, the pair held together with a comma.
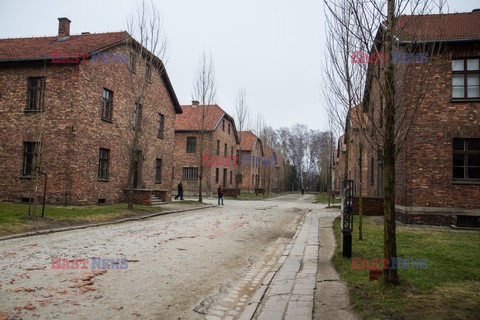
x: 292, y: 292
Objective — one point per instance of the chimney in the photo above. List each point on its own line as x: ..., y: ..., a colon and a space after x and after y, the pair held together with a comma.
x: 195, y: 103
x: 63, y: 27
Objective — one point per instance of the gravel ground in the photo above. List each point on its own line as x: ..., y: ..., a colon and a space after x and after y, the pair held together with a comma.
x: 176, y: 263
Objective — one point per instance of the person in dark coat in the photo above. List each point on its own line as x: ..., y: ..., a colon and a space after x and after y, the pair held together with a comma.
x: 180, y: 191
x: 220, y: 194
x: 303, y: 191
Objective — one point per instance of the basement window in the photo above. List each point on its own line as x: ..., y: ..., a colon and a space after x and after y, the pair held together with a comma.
x: 26, y: 200
x: 468, y: 221
x: 100, y: 201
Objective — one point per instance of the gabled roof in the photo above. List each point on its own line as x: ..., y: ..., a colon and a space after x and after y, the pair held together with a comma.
x: 41, y: 48
x: 451, y: 27
x: 191, y: 119
x: 439, y: 27
x: 248, y: 141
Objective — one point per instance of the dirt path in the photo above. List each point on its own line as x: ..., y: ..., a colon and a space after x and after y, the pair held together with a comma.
x: 176, y: 263
x: 331, y: 294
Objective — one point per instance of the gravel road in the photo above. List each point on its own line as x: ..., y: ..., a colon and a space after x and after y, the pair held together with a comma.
x: 178, y: 265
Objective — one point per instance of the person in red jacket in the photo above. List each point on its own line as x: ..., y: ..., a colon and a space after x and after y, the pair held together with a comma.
x: 220, y: 194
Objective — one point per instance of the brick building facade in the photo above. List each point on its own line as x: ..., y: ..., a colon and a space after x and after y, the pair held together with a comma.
x: 251, y: 147
x: 219, y: 152
x: 438, y: 168
x: 81, y: 112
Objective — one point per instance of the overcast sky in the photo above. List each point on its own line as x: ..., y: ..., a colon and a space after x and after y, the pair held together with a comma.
x: 272, y: 48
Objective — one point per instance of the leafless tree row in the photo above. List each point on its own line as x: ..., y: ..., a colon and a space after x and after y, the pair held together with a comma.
x: 368, y: 99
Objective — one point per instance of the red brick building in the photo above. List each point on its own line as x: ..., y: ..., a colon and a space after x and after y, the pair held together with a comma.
x: 219, y: 149
x: 438, y: 169
x: 251, y: 148
x: 81, y: 113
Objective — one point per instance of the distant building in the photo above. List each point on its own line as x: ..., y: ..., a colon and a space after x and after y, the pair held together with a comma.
x: 251, y: 147
x: 220, y: 144
x: 82, y: 113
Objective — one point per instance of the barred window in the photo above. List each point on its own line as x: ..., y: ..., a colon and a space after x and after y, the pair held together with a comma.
x: 36, y: 93
x: 190, y: 173
x: 466, y: 159
x: 160, y: 125
x: 158, y: 170
x: 103, y: 164
x: 28, y: 158
x: 107, y: 104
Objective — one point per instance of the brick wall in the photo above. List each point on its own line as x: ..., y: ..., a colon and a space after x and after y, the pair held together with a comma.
x: 74, y: 131
x: 371, y: 206
x: 184, y: 159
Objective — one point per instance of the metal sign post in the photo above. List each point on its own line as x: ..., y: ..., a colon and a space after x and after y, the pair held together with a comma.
x: 347, y: 218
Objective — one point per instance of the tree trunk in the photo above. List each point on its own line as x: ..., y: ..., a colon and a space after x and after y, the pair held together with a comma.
x: 360, y: 194
x: 390, y: 243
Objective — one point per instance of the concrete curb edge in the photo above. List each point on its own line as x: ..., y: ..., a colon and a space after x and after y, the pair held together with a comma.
x: 44, y: 232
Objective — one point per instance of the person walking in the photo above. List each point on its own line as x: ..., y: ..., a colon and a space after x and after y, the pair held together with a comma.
x: 220, y: 194
x: 180, y: 191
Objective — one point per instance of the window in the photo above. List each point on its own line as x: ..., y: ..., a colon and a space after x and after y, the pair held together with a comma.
x: 160, y: 125
x: 253, y: 180
x: 191, y: 144
x: 229, y: 128
x: 158, y: 171
x: 137, y: 116
x: 36, y: 93
x: 465, y: 78
x: 148, y: 72
x: 107, y: 104
x: 239, y: 178
x: 28, y: 158
x: 218, y: 147
x: 231, y: 151
x: 217, y: 173
x: 466, y: 159
x: 103, y: 164
x: 223, y: 125
x: 190, y: 173
x: 132, y: 62
x: 225, y: 152
x: 231, y: 177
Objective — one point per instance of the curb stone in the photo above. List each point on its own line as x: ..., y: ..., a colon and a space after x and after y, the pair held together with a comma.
x: 45, y: 232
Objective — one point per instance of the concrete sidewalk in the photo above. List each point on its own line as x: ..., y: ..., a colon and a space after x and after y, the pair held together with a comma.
x: 292, y: 293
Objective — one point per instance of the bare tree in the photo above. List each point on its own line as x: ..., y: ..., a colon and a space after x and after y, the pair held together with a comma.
x: 148, y: 42
x: 372, y: 26
x: 204, y: 91
x: 242, y: 120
